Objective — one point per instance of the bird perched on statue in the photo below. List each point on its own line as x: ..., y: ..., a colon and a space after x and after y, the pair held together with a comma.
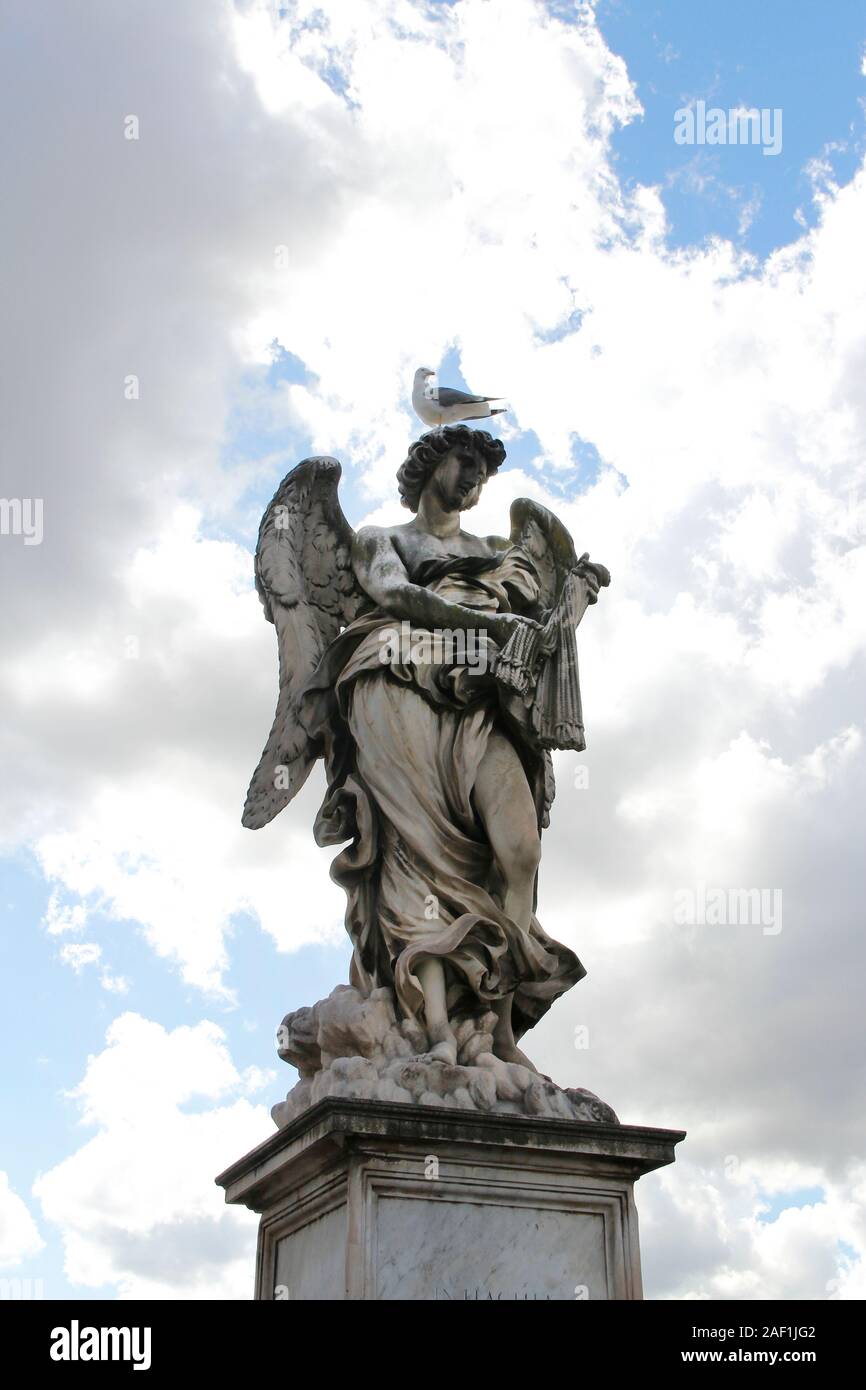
x: 441, y: 405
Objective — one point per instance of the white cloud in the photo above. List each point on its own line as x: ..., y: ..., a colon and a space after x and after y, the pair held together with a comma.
x: 712, y: 1236
x: 80, y: 953
x: 136, y: 1204
x: 114, y: 984
x: 442, y: 177
x: 162, y: 844
x: 19, y: 1236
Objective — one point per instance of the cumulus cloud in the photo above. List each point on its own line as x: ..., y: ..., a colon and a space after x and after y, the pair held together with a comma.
x: 720, y: 1234
x: 372, y: 185
x: 136, y: 1204
x: 19, y: 1235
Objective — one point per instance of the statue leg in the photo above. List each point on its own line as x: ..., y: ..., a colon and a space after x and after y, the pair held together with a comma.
x: 504, y: 803
x: 431, y: 976
x: 507, y: 810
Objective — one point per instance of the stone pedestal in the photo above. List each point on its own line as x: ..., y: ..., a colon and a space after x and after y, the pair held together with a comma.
x: 371, y: 1200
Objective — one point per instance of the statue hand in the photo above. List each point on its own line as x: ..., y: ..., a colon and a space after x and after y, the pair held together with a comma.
x: 593, y: 575
x: 502, y: 625
x: 592, y: 584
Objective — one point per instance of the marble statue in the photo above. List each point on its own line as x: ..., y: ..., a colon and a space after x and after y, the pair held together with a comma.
x: 433, y: 671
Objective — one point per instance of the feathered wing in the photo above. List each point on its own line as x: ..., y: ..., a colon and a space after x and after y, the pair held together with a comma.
x: 447, y: 396
x: 541, y: 663
x: 547, y: 543
x: 308, y: 590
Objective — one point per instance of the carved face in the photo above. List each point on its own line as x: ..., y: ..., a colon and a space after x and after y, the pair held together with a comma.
x: 459, y: 478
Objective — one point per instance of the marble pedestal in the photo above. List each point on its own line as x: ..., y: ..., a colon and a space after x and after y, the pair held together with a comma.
x: 373, y: 1200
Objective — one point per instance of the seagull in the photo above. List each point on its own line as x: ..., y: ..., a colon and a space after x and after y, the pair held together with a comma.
x: 440, y: 405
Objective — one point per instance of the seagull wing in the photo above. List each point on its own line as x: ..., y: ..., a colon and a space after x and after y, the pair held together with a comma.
x: 448, y: 397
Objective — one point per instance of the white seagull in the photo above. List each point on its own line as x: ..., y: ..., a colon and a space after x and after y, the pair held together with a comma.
x: 440, y: 405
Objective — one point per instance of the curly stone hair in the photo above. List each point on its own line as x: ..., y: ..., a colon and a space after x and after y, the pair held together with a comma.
x: 430, y: 450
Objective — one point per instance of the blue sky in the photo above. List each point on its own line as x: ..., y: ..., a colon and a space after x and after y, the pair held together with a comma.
x: 222, y: 448
x: 802, y: 58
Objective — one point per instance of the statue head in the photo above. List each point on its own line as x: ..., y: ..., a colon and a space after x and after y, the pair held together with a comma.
x: 454, y: 459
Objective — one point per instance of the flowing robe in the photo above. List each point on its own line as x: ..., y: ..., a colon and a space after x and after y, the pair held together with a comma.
x: 403, y: 737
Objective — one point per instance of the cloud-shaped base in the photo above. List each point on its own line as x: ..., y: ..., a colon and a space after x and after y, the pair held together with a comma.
x: 355, y: 1047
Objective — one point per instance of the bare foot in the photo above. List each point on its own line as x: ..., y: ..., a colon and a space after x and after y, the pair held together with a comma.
x: 443, y: 1045
x: 510, y: 1052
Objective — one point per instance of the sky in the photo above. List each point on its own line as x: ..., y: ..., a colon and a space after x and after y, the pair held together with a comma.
x: 230, y: 234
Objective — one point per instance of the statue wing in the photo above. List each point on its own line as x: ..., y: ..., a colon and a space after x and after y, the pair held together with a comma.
x: 548, y: 544
x: 540, y: 664
x: 308, y: 590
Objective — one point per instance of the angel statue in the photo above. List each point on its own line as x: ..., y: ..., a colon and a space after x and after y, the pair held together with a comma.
x: 433, y: 671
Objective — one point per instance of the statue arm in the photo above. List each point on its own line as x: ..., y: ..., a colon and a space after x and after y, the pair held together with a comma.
x: 382, y: 574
